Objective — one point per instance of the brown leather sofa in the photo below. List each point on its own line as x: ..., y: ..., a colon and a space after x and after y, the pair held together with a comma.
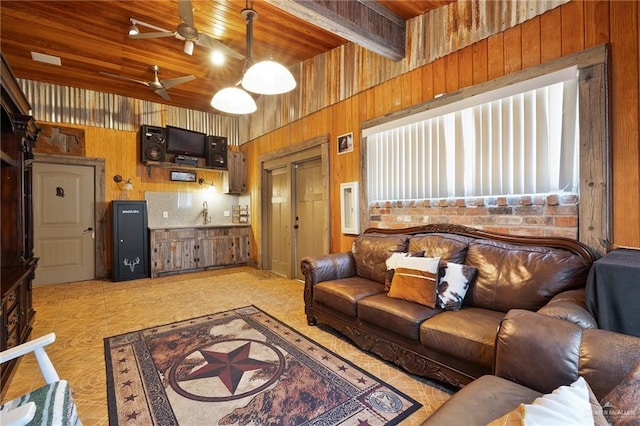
x: 535, y: 355
x: 346, y: 291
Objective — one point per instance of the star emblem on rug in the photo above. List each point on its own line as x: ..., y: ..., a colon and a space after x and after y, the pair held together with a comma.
x: 229, y: 367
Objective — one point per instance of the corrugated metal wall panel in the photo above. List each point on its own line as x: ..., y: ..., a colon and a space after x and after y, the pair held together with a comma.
x: 61, y: 104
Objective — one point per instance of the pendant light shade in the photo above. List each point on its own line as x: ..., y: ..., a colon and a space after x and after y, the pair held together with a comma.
x: 234, y: 100
x: 264, y: 78
x: 268, y: 78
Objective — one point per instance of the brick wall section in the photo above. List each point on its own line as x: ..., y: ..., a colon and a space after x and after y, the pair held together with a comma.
x: 533, y: 215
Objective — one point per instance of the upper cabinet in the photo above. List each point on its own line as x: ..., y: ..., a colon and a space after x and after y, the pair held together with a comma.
x: 235, y: 181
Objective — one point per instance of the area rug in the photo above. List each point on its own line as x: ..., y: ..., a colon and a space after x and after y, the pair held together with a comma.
x: 240, y: 367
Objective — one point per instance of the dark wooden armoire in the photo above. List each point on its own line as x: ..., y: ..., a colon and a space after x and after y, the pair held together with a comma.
x: 16, y: 258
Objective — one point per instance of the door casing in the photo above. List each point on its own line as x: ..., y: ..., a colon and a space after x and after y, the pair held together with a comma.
x: 314, y: 148
x: 100, y: 204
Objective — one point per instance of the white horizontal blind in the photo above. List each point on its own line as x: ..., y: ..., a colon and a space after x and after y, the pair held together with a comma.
x: 521, y: 144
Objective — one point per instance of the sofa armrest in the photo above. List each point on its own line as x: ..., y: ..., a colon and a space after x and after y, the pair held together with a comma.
x: 317, y: 269
x: 536, y: 351
x: 570, y: 305
x: 327, y: 267
x: 543, y: 353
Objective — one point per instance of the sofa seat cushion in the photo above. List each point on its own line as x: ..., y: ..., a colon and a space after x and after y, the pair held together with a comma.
x: 482, y: 401
x: 343, y: 295
x: 512, y: 276
x: 468, y: 334
x: 396, y: 315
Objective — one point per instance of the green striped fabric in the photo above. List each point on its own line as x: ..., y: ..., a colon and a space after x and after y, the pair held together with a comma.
x: 54, y: 404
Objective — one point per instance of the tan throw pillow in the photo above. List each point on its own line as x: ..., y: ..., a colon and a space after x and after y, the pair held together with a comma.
x: 415, y: 280
x: 621, y: 406
x: 566, y: 405
x: 391, y: 266
x: 512, y: 418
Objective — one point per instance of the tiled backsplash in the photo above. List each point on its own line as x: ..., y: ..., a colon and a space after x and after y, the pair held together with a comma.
x: 185, y: 208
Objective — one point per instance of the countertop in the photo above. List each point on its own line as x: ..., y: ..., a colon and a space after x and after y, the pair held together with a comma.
x: 213, y: 225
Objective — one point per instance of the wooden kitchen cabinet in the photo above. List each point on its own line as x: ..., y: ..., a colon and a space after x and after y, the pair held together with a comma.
x: 189, y: 249
x: 235, y: 180
x: 173, y: 250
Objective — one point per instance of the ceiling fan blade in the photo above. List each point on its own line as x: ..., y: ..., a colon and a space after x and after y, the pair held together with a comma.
x: 120, y: 77
x: 159, y: 34
x: 164, y: 94
x: 186, y: 12
x: 210, y: 42
x: 171, y: 82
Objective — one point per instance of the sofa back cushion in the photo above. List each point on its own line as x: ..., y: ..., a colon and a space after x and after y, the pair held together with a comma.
x: 512, y: 276
x: 448, y: 247
x: 370, y: 252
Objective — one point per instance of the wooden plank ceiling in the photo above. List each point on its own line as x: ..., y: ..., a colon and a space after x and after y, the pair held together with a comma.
x: 90, y: 37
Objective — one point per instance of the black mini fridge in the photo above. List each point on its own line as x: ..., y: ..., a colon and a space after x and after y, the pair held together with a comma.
x: 130, y: 240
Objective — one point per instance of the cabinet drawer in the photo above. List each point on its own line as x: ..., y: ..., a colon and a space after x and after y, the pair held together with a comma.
x: 173, y: 235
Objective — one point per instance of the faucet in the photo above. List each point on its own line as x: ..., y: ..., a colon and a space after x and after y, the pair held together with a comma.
x: 205, y: 213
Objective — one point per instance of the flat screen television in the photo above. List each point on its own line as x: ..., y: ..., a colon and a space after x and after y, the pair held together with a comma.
x: 186, y: 142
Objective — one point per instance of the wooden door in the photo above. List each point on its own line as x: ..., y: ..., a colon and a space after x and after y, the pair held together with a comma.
x: 279, y: 220
x: 309, y: 212
x: 64, y: 222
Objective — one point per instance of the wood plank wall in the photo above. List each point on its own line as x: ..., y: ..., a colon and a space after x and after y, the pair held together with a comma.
x: 567, y: 29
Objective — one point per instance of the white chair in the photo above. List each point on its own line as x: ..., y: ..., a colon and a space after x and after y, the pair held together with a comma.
x: 50, y: 404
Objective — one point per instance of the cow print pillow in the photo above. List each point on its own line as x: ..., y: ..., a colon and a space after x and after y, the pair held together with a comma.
x: 453, y: 282
x: 392, y: 261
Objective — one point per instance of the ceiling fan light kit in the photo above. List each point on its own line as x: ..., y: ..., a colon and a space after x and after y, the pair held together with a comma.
x: 234, y: 100
x: 188, y: 47
x: 133, y: 29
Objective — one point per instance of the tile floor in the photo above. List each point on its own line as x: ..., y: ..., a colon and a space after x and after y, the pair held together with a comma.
x: 82, y: 314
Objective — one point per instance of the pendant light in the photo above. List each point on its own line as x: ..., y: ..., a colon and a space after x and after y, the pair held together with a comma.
x: 265, y: 77
x: 234, y: 100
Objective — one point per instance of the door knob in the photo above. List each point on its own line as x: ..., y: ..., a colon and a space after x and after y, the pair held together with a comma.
x: 89, y: 229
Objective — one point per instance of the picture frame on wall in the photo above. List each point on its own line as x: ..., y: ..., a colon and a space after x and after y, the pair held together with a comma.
x: 183, y: 176
x: 345, y: 143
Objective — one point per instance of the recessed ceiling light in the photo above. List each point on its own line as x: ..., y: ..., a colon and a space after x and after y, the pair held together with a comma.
x: 47, y: 59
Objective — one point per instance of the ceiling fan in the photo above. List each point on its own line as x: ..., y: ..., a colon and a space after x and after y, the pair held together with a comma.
x: 186, y: 31
x: 160, y: 86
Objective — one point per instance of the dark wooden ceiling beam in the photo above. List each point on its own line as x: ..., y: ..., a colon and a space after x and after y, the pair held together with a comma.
x: 363, y: 22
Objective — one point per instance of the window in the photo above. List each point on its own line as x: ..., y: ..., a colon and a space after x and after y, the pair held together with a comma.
x: 522, y: 139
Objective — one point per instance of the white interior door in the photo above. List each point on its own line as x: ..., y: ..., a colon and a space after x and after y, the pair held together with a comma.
x: 310, y: 212
x: 64, y: 223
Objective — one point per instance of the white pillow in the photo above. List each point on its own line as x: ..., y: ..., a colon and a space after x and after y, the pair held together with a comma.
x: 427, y: 264
x: 565, y: 406
x: 392, y: 260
